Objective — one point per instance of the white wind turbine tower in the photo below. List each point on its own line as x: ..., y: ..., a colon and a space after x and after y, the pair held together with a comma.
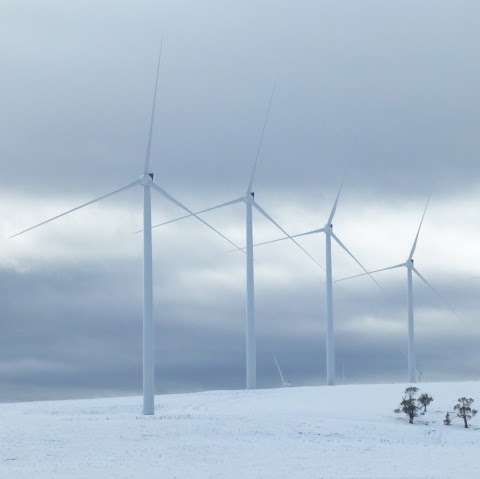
x: 327, y: 230
x: 147, y: 183
x: 250, y: 203
x: 410, y: 269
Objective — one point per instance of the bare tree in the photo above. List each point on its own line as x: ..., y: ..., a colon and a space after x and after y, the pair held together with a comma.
x: 410, y: 405
x: 425, y: 400
x: 464, y: 410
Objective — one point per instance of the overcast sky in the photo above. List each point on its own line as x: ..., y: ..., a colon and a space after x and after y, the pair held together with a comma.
x: 387, y: 90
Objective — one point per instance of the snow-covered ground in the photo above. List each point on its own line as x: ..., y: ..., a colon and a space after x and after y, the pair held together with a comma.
x: 311, y: 432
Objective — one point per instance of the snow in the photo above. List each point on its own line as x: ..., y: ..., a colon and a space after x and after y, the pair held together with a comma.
x: 311, y: 432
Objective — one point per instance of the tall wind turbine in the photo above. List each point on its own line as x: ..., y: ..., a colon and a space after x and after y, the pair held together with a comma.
x: 147, y: 182
x: 410, y: 270
x: 327, y: 230
x: 250, y: 203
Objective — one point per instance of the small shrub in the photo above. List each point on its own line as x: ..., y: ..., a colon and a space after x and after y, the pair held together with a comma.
x: 447, y: 421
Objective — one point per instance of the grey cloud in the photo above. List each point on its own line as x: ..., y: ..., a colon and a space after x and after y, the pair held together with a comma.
x: 79, y: 333
x: 388, y: 89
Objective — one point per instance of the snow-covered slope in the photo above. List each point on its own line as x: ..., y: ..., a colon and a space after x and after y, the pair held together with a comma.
x: 314, y: 432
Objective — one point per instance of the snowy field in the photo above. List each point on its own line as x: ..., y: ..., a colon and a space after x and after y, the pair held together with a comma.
x: 312, y: 432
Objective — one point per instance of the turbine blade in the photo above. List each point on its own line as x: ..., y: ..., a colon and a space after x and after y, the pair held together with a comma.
x: 342, y: 245
x: 370, y: 272
x: 160, y: 190
x: 260, y: 142
x: 414, y: 247
x: 152, y: 114
x: 437, y: 293
x: 335, y: 204
x: 288, y: 236
x: 174, y: 220
x: 263, y: 243
x: 88, y: 203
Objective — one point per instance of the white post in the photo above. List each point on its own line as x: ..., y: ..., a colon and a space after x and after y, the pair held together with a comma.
x: 250, y: 344
x: 148, y: 333
x: 329, y: 330
x: 411, y: 332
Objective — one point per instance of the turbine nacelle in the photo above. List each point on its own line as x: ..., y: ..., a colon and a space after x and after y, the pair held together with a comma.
x: 147, y: 179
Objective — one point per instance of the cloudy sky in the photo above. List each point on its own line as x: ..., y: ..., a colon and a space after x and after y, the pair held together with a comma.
x: 388, y: 91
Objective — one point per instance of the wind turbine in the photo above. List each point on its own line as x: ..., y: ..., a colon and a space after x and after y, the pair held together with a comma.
x: 411, y: 270
x: 147, y: 183
x: 284, y: 382
x: 327, y: 230
x: 250, y: 203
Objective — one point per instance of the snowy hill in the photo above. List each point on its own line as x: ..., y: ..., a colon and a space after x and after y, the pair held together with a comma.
x: 314, y: 432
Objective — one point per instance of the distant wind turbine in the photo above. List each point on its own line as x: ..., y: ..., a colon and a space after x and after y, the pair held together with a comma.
x: 411, y: 269
x: 146, y: 181
x: 327, y: 230
x: 284, y: 382
x: 250, y: 203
